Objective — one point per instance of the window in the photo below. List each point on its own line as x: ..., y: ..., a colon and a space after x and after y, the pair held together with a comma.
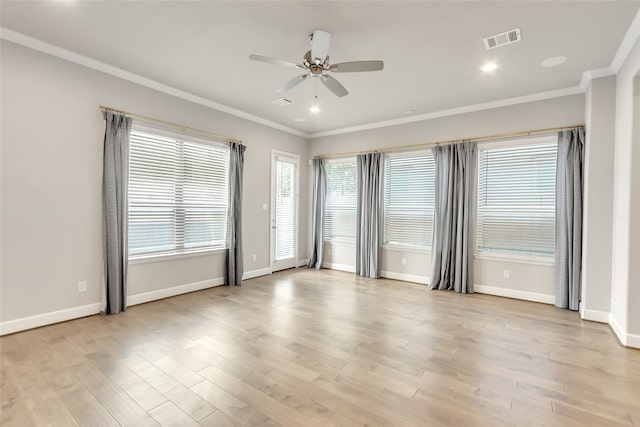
x: 409, y: 199
x: 340, y: 205
x: 516, y: 198
x: 178, y: 194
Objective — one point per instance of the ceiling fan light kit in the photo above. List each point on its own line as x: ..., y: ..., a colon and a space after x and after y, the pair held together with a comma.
x: 316, y: 64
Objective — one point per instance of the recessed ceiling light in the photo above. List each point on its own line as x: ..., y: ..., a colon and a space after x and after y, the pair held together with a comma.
x: 314, y: 109
x: 554, y: 61
x: 489, y: 66
x: 298, y: 119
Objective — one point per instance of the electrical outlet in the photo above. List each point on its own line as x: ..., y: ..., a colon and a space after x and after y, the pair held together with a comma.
x: 506, y: 274
x: 404, y: 261
x: 82, y: 286
x: 254, y: 258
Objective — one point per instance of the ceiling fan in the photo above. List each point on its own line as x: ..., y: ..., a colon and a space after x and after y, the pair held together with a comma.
x: 316, y: 63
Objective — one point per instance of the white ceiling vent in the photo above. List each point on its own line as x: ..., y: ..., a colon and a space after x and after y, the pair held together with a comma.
x: 282, y: 102
x: 502, y: 39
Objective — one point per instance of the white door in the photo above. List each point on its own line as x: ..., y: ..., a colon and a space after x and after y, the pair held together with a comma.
x: 284, y: 211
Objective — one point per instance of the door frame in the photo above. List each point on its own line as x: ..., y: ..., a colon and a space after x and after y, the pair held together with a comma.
x: 275, y: 155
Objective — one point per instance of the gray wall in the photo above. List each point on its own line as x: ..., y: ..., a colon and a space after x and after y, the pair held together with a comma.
x: 528, y: 280
x: 52, y: 132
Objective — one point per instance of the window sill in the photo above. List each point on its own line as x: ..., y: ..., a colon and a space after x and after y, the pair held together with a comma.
x: 339, y: 242
x: 406, y: 248
x: 516, y: 259
x: 144, y: 259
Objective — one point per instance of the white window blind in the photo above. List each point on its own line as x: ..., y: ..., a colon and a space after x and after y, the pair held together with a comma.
x: 286, y: 205
x: 178, y: 194
x: 409, y: 199
x: 516, y: 198
x: 340, y: 205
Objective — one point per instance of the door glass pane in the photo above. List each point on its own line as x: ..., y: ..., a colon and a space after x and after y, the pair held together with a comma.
x: 285, y: 210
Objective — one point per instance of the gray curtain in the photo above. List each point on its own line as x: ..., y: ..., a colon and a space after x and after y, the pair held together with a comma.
x: 454, y: 220
x: 369, y: 214
x: 569, y: 188
x: 233, y: 260
x: 317, y: 212
x: 115, y: 177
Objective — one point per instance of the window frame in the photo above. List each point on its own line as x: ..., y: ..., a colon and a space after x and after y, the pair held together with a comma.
x: 510, y: 256
x: 161, y: 131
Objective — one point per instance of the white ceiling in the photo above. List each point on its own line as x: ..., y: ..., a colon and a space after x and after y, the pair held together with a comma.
x: 432, y: 51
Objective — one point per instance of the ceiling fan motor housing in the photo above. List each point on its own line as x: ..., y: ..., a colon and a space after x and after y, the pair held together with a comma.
x: 314, y: 66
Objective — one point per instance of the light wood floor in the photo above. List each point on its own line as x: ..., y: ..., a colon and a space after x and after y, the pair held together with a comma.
x: 309, y: 348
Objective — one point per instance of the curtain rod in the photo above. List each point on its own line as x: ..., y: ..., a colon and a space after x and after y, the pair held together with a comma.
x: 451, y: 141
x: 164, y: 122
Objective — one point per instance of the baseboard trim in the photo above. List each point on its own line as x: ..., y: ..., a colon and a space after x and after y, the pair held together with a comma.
x: 423, y: 280
x: 25, y: 323
x: 341, y: 267
x: 22, y: 324
x: 513, y: 293
x: 625, y: 338
x: 617, y: 329
x: 256, y: 273
x: 303, y: 262
x: 595, y: 315
x: 173, y: 291
x: 633, y: 340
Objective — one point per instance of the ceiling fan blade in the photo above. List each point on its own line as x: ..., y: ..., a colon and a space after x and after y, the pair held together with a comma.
x: 320, y: 42
x: 275, y: 61
x: 334, y: 86
x: 356, y: 66
x: 292, y: 83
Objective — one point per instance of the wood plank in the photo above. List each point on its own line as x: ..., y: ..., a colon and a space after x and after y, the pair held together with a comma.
x: 185, y: 399
x: 138, y: 389
x: 124, y: 409
x: 169, y: 415
x: 219, y: 419
x: 181, y: 373
x: 223, y: 401
x: 86, y: 410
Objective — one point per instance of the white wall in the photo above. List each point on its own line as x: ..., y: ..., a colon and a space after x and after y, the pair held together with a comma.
x: 598, y: 199
x: 533, y: 281
x: 625, y: 277
x: 52, y: 133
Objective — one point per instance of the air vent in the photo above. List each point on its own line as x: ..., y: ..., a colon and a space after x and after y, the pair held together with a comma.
x: 502, y: 39
x: 282, y: 102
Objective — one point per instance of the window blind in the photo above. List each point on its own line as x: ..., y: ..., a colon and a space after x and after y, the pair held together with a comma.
x: 516, y: 199
x: 178, y: 195
x: 409, y: 199
x: 286, y: 205
x: 340, y: 203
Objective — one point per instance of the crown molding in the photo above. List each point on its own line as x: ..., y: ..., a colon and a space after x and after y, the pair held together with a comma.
x: 41, y: 46
x: 630, y: 38
x: 587, y: 76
